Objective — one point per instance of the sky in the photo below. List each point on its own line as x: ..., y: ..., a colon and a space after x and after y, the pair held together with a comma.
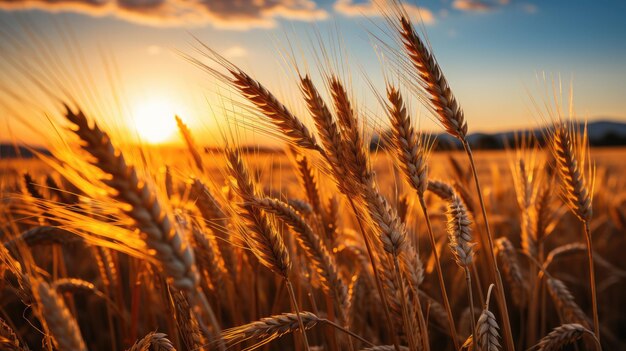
x: 492, y: 52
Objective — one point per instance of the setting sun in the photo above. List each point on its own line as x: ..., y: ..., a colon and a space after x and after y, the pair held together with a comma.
x: 154, y: 120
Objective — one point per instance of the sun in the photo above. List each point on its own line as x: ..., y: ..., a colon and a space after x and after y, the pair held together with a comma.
x: 154, y: 120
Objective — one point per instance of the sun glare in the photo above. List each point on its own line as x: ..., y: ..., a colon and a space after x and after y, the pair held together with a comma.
x: 154, y: 120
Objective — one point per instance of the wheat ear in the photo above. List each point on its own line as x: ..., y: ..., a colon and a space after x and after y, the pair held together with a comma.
x: 333, y: 153
x: 262, y: 237
x: 326, y: 126
x: 512, y: 272
x: 61, y: 324
x: 461, y: 243
x: 564, y: 335
x: 433, y: 81
x: 191, y: 144
x: 315, y: 250
x: 156, y: 341
x: 571, y: 155
x: 216, y: 219
x: 451, y: 117
x: 267, y: 329
x: 273, y: 109
x: 412, y: 151
x: 188, y: 326
x: 443, y: 190
x: 565, y: 303
x: 309, y: 182
x: 486, y: 334
x: 153, y: 220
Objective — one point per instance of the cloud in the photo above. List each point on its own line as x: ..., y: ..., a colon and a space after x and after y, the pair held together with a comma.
x: 226, y: 14
x: 529, y: 8
x: 235, y: 52
x: 369, y: 8
x: 478, y: 5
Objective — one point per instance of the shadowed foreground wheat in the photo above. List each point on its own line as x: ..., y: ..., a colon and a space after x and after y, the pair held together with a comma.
x: 117, y: 247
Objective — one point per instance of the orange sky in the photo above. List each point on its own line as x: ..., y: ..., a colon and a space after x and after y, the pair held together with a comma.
x: 491, y: 55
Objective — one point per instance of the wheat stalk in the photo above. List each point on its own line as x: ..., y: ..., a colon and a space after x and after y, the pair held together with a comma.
x: 460, y: 243
x: 433, y: 81
x: 273, y: 109
x: 571, y: 154
x: 512, y: 272
x: 261, y: 236
x: 156, y: 341
x: 315, y: 250
x: 333, y: 153
x: 216, y: 219
x: 564, y: 335
x: 267, y: 329
x: 191, y: 144
x: 412, y: 151
x: 152, y: 218
x: 565, y: 303
x: 486, y: 332
x: 450, y: 115
x: 188, y: 326
x: 59, y: 321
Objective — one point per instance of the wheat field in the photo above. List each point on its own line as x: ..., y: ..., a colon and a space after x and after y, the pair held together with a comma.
x: 323, y: 244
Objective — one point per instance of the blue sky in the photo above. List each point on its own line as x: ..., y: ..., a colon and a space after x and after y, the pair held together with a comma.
x: 491, y: 51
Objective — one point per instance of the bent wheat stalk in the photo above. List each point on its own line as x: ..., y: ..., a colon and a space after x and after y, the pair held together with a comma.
x: 564, y: 335
x: 158, y: 341
x: 159, y: 231
x: 262, y: 237
x: 412, y: 153
x: 333, y: 153
x: 449, y: 113
x: 461, y: 245
x: 571, y: 155
x: 54, y: 313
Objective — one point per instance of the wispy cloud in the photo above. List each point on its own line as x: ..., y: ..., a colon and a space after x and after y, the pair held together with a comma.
x: 235, y: 51
x: 350, y: 8
x: 241, y: 14
x: 478, y: 5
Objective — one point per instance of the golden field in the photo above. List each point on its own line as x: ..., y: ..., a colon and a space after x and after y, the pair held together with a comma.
x: 91, y: 280
x: 114, y: 245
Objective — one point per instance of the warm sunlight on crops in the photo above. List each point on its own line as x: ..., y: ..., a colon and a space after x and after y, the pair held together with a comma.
x: 314, y: 212
x: 152, y: 119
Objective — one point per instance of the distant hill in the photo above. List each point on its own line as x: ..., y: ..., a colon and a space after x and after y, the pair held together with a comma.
x: 601, y: 133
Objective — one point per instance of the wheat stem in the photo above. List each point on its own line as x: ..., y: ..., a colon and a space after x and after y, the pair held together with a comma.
x: 377, y: 277
x: 592, y: 281
x: 508, y: 334
x: 294, y: 302
x: 468, y: 279
x: 442, y: 284
x: 405, y: 310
